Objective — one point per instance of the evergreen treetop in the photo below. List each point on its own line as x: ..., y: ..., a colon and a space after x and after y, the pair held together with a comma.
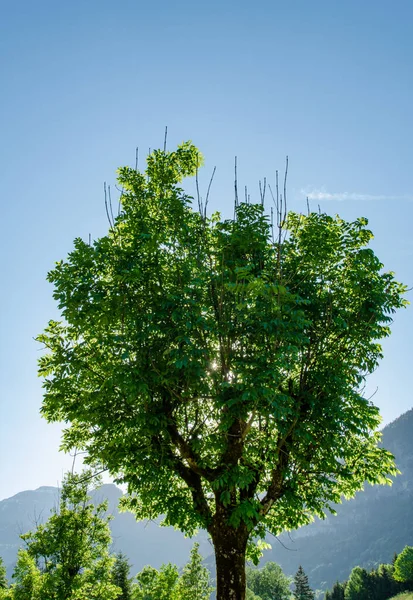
x: 302, y: 590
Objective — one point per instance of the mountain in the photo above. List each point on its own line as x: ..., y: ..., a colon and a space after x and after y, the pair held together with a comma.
x: 367, y: 530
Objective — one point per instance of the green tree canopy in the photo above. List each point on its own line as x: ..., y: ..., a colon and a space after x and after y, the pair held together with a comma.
x: 27, y: 578
x: 217, y: 369
x: 72, y: 549
x: 157, y: 585
x: 359, y: 585
x: 269, y: 582
x: 403, y: 567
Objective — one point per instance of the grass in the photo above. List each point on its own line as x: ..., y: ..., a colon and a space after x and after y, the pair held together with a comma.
x: 403, y: 596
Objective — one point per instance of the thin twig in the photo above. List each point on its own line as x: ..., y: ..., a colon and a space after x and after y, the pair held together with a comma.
x: 198, y: 193
x: 272, y: 196
x: 94, y: 475
x: 285, y: 188
x: 74, y: 461
x: 236, y: 184
x: 106, y: 204
x: 209, y: 187
x: 373, y: 394
x: 119, y: 203
x: 262, y: 190
x: 164, y: 142
x: 110, y: 205
x: 272, y: 224
x: 149, y: 153
x: 282, y: 544
x: 121, y: 192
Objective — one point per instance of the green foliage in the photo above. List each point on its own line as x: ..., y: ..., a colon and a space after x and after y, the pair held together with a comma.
x: 72, y: 549
x: 378, y: 584
x: 337, y: 593
x: 27, y: 578
x: 3, y: 578
x: 382, y: 583
x: 157, y: 585
x: 121, y: 578
x: 302, y: 590
x: 359, y: 585
x: 268, y: 583
x: 250, y: 595
x: 195, y: 581
x: 212, y: 369
x: 403, y: 567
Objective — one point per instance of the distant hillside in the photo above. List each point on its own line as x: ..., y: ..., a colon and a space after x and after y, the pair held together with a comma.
x: 366, y: 532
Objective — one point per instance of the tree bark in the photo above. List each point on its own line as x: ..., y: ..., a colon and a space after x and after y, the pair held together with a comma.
x: 230, y: 546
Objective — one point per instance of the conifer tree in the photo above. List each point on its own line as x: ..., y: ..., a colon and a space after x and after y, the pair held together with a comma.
x: 359, y: 585
x: 337, y: 593
x: 195, y: 582
x: 302, y: 590
x: 3, y: 578
x: 120, y: 576
x: 383, y: 584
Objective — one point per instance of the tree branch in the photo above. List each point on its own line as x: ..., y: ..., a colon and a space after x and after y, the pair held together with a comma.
x: 187, y: 453
x: 193, y: 481
x: 276, y: 487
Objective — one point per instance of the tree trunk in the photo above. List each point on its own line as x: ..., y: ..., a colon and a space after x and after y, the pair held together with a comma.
x: 230, y: 545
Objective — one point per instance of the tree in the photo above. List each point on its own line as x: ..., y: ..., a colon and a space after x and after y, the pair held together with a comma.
x: 358, y: 586
x: 337, y: 593
x: 302, y: 590
x: 121, y: 578
x: 157, y: 585
x: 195, y: 581
x: 218, y: 370
x: 403, y: 567
x: 3, y: 576
x: 382, y: 583
x: 27, y: 578
x: 269, y: 582
x: 72, y: 548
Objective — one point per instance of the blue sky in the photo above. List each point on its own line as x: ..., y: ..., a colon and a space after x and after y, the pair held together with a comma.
x: 84, y: 83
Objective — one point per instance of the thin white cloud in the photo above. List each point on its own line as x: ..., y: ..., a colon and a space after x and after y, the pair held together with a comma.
x: 322, y: 194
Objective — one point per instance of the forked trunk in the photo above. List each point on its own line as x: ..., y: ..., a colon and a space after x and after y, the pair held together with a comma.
x: 230, y: 548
